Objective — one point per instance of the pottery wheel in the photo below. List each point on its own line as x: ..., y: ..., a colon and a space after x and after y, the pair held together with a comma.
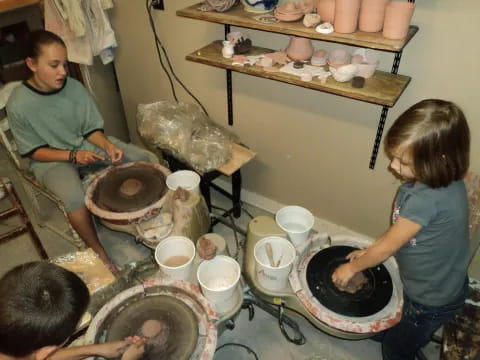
x: 130, y: 189
x: 369, y: 300
x: 179, y: 334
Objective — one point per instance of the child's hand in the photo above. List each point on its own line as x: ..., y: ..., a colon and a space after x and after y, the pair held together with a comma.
x: 342, y: 275
x: 135, y: 350
x: 114, y: 152
x: 111, y: 349
x: 355, y: 254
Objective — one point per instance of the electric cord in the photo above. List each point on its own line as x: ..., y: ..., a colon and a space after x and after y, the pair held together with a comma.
x: 154, y: 30
x: 250, y: 351
x: 238, y: 244
x: 159, y: 45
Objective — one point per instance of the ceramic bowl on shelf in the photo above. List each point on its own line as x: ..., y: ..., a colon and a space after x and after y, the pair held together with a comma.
x: 319, y: 58
x: 344, y: 73
x: 367, y: 61
x: 338, y: 58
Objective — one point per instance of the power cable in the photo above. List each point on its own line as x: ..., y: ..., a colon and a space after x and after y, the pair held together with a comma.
x: 250, y: 351
x: 159, y: 45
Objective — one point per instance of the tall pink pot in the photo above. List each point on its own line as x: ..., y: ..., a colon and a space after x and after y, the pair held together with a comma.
x: 326, y: 10
x: 372, y: 14
x: 299, y: 48
x: 346, y: 16
x: 397, y: 19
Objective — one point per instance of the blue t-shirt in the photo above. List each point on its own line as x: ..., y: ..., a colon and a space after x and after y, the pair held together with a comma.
x: 433, y: 264
x: 60, y: 119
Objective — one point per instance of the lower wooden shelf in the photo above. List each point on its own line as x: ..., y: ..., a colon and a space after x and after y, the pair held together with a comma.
x: 382, y: 89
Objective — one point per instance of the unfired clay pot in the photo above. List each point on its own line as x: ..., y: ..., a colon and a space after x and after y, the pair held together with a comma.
x: 346, y: 16
x: 398, y: 15
x: 299, y: 48
x: 326, y: 10
x: 372, y: 14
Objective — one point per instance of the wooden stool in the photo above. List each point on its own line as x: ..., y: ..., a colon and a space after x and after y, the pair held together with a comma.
x: 240, y: 156
x: 7, y: 190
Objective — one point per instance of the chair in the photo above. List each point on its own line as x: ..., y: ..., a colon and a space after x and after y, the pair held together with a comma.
x: 32, y: 187
x: 7, y: 191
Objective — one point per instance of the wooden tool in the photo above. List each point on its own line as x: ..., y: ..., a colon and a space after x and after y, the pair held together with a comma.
x: 269, y: 250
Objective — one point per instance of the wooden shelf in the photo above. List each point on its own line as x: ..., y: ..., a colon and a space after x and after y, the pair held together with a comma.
x: 238, y: 17
x: 381, y: 89
x: 8, y: 5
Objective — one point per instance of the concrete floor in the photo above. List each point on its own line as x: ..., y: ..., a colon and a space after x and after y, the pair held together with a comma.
x: 262, y: 334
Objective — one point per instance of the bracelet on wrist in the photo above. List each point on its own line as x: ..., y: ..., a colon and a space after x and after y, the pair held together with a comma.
x: 70, y: 155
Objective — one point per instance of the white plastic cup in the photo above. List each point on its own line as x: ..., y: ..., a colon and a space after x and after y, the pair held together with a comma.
x: 171, y: 249
x: 186, y: 179
x: 218, y: 279
x: 274, y: 278
x: 296, y: 221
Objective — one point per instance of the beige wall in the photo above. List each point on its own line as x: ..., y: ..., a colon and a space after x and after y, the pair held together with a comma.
x: 313, y: 148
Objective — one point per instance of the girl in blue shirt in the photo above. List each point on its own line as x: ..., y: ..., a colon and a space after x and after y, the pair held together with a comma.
x: 428, y: 146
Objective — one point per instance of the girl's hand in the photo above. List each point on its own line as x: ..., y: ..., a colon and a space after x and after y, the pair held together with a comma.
x: 342, y: 275
x: 111, y: 349
x: 135, y: 350
x: 86, y: 157
x: 115, y: 153
x: 355, y: 254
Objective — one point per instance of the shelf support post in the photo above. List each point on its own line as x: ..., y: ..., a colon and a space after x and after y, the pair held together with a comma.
x: 383, y: 116
x: 229, y: 87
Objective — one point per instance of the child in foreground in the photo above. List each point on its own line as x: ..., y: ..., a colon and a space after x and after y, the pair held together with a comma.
x: 41, y: 305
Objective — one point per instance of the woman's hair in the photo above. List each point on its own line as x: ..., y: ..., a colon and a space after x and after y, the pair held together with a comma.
x: 40, y: 305
x: 435, y: 134
x: 40, y: 38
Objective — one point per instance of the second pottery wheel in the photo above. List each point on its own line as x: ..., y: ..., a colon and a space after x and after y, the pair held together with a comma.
x: 130, y: 188
x: 374, y: 295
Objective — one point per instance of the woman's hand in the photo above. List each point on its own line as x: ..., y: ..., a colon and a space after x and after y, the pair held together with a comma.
x: 86, y: 157
x: 343, y: 274
x: 115, y: 153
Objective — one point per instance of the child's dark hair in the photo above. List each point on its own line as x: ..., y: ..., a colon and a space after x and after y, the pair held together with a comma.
x: 436, y: 135
x: 40, y: 38
x: 40, y: 305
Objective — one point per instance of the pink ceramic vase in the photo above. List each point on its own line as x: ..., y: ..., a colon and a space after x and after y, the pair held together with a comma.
x: 398, y: 15
x: 346, y: 16
x: 372, y: 14
x: 299, y: 48
x: 326, y: 10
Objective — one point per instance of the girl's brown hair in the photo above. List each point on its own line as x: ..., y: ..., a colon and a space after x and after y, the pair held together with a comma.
x: 436, y: 135
x: 40, y: 38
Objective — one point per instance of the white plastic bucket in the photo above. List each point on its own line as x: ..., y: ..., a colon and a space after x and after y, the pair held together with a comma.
x: 186, y: 179
x: 175, y: 255
x: 296, y: 221
x: 274, y: 278
x: 218, y: 279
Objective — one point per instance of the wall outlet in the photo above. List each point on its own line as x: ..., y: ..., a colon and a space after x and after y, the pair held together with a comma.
x: 158, y: 5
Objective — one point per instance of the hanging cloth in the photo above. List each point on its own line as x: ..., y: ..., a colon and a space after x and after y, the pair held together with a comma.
x: 71, y: 12
x: 78, y: 48
x: 101, y: 35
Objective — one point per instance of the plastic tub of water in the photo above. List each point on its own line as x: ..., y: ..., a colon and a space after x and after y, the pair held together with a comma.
x: 274, y: 277
x: 175, y: 255
x: 296, y: 221
x: 218, y: 279
x: 186, y: 179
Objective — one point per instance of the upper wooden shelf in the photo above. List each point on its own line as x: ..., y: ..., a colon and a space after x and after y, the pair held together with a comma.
x: 8, y: 5
x: 237, y: 16
x: 381, y: 89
